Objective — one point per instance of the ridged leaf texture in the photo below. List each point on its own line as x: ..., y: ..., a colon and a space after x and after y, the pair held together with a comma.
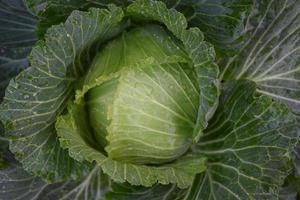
x: 248, y: 144
x: 37, y: 95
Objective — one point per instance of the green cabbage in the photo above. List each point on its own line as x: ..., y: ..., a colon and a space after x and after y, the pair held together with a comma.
x: 147, y: 113
x: 144, y: 99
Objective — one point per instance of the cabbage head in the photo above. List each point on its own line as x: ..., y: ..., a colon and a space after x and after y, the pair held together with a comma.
x: 133, y: 89
x: 144, y: 98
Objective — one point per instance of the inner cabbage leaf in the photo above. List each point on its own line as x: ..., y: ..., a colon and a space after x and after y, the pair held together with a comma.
x: 150, y: 108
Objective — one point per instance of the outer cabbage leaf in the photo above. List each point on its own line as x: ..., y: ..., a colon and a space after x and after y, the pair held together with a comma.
x: 248, y: 145
x: 17, y: 37
x: 52, y: 12
x: 57, y: 11
x: 37, y: 95
x: 271, y: 55
x: 157, y: 192
x: 291, y: 188
x: 18, y: 184
x: 222, y: 21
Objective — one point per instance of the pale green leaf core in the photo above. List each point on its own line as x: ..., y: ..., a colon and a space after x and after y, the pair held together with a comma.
x: 147, y: 113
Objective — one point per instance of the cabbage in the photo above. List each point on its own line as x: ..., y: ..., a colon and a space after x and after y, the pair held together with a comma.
x: 149, y: 100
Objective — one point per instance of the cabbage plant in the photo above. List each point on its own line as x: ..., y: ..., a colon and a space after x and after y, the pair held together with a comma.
x: 149, y: 99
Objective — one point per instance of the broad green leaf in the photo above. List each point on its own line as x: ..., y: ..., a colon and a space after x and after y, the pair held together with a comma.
x: 11, y: 63
x: 271, y: 55
x: 17, y: 32
x: 72, y: 126
x: 157, y: 192
x: 248, y: 145
x: 17, y: 25
x: 94, y: 186
x: 15, y: 183
x: 57, y: 11
x: 38, y: 94
x: 222, y: 21
x: 17, y: 37
x: 52, y: 12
